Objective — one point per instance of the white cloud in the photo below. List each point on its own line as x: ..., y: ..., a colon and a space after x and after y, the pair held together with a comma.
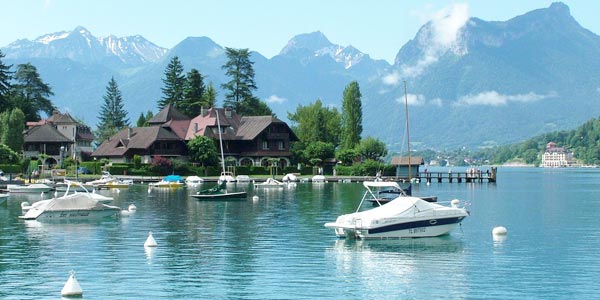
x: 493, y: 98
x: 443, y: 34
x: 275, y: 99
x: 391, y: 79
x: 419, y: 100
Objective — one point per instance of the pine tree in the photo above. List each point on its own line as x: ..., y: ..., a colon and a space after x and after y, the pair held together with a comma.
x: 193, y: 94
x: 174, y: 83
x: 113, y: 116
x: 239, y: 89
x: 351, y: 116
x: 5, y: 77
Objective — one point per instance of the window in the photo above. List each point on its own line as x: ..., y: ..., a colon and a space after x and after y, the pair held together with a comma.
x: 265, y: 145
x: 280, y: 145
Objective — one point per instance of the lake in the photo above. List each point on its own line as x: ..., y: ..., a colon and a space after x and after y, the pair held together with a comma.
x: 277, y: 247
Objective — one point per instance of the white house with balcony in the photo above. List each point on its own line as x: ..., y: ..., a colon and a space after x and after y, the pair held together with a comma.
x: 556, y: 157
x: 52, y: 140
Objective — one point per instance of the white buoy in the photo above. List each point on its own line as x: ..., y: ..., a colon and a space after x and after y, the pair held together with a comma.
x: 72, y: 287
x: 150, y: 242
x: 125, y: 213
x: 254, y: 198
x: 132, y: 207
x: 455, y: 203
x: 499, y: 230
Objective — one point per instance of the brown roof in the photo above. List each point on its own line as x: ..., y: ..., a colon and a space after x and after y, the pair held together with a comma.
x: 252, y: 126
x: 137, y: 138
x: 45, y: 134
x: 178, y: 127
x: 168, y: 113
x: 403, y: 160
x: 58, y: 118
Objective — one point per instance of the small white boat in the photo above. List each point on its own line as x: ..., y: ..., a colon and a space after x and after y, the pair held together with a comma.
x: 104, y: 179
x: 171, y: 181
x: 193, y: 180
x: 242, y: 178
x: 32, y: 188
x: 289, y: 178
x: 226, y: 177
x: 402, y: 217
x: 70, y: 206
x: 270, y: 183
x: 318, y: 178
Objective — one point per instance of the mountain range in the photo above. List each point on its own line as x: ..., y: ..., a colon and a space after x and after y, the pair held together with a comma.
x: 473, y: 84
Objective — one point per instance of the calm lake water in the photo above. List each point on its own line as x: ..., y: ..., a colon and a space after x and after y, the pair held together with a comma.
x: 277, y: 247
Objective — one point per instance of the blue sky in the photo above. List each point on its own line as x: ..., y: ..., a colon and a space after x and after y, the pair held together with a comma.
x: 378, y: 28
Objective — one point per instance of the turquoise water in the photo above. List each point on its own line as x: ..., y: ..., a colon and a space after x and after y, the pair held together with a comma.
x: 277, y: 248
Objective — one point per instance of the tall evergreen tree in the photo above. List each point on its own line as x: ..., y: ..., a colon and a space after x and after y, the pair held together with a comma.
x: 30, y: 93
x: 113, y: 116
x: 193, y: 94
x: 351, y: 116
x: 5, y: 77
x: 174, y: 83
x: 239, y: 89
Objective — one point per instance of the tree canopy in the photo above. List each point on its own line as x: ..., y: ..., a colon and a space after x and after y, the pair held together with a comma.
x: 30, y: 94
x: 314, y: 122
x: 203, y: 149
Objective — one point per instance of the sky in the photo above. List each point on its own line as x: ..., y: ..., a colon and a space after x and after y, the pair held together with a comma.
x: 379, y: 28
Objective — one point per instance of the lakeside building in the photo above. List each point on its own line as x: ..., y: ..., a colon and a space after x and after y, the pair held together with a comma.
x: 247, y: 141
x: 52, y: 140
x: 556, y: 157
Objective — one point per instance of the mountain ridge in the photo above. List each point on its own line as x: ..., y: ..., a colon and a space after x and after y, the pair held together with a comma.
x: 469, y: 88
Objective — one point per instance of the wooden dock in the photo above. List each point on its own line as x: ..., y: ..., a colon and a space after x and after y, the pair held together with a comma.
x: 471, y: 175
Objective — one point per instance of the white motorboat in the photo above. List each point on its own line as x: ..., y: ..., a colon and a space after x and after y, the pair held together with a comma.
x: 403, y: 217
x: 31, y: 188
x: 171, y: 181
x: 270, y: 183
x: 70, y: 206
x: 109, y: 181
x: 318, y: 178
x: 289, y: 178
x: 193, y: 180
x: 104, y: 179
x: 226, y: 177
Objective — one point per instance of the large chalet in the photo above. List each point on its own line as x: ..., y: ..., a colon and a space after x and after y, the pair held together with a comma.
x: 249, y: 141
x: 53, y: 139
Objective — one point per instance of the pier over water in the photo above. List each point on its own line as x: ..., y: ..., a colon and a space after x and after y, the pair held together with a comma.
x: 470, y: 175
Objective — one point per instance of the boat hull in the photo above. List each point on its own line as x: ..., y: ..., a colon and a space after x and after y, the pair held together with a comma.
x: 75, y: 215
x: 222, y: 196
x: 412, y: 229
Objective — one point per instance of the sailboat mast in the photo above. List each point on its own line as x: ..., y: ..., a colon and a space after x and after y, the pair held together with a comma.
x: 220, y: 141
x: 407, y: 130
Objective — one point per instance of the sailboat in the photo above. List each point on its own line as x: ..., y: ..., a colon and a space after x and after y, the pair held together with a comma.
x: 219, y: 192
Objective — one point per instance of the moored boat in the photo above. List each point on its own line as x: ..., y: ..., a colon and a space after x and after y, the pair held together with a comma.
x: 70, y: 206
x: 405, y: 216
x: 31, y: 188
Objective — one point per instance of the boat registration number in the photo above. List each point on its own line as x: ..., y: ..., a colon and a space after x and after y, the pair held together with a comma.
x: 417, y: 230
